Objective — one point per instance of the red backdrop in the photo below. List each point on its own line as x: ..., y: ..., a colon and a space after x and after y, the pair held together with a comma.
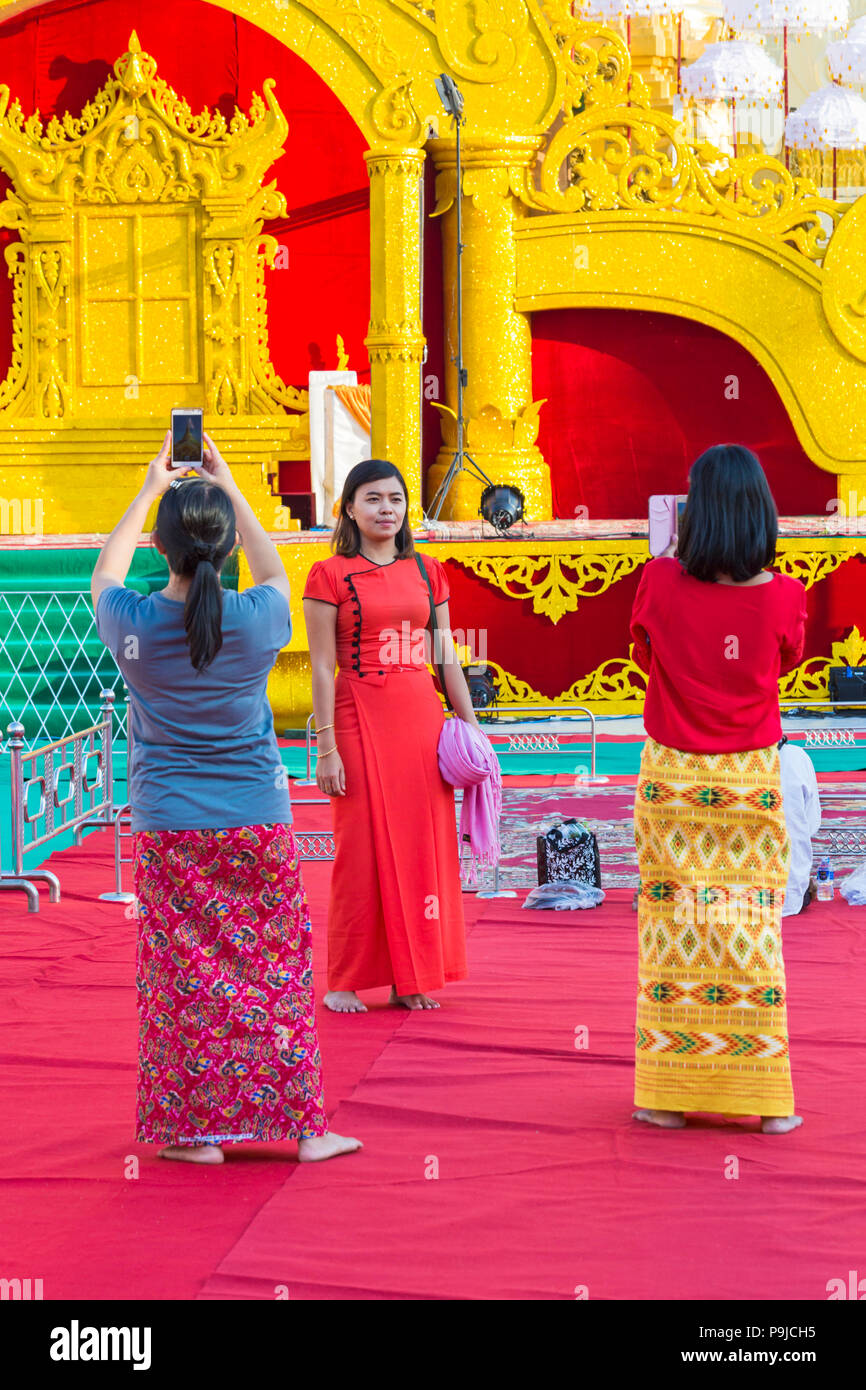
x: 634, y: 397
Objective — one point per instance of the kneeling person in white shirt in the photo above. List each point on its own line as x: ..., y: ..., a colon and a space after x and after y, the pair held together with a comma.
x: 802, y: 807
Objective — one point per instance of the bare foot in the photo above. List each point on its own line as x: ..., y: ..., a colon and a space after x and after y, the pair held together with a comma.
x: 665, y: 1119
x: 328, y: 1145
x: 412, y: 1001
x: 195, y: 1153
x: 344, y: 1001
x: 780, y: 1124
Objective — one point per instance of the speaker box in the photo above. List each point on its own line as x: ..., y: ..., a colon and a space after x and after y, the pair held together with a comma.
x: 848, y: 683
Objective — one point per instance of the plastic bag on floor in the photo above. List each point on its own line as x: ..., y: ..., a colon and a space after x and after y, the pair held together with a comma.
x: 563, y: 896
x: 853, y: 887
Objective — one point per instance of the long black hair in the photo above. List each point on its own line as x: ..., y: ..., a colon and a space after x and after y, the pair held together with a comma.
x: 346, y: 539
x: 730, y: 523
x: 196, y: 527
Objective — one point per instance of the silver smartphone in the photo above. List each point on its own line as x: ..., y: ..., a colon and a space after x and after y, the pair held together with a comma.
x: 187, y: 438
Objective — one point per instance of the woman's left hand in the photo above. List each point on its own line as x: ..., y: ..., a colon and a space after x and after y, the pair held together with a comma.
x: 160, y: 471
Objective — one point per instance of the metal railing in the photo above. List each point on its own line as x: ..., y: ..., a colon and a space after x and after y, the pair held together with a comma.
x: 554, y: 711
x: 87, y: 800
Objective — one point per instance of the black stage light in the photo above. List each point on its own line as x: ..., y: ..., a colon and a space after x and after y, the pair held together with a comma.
x: 482, y: 686
x: 502, y: 505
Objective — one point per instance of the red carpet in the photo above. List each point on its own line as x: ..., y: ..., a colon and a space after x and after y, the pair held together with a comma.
x: 545, y: 1185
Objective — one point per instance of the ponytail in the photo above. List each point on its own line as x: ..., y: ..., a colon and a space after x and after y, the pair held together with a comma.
x: 196, y: 525
x: 202, y: 614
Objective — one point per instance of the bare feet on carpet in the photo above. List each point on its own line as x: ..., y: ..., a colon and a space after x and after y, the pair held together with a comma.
x: 780, y: 1124
x: 194, y: 1153
x: 323, y: 1146
x: 412, y: 1001
x: 664, y: 1119
x: 343, y: 1001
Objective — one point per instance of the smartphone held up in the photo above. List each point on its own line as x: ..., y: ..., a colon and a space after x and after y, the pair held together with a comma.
x: 187, y: 438
x: 665, y: 513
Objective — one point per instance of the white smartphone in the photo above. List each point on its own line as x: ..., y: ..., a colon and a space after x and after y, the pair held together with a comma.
x: 187, y: 438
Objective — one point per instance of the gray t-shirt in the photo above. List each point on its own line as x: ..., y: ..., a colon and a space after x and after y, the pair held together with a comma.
x: 204, y: 751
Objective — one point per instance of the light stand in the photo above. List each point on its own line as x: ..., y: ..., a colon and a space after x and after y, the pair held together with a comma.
x: 452, y: 99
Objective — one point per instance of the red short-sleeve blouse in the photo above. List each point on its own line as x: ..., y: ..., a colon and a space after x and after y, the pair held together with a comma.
x: 714, y: 654
x: 383, y: 611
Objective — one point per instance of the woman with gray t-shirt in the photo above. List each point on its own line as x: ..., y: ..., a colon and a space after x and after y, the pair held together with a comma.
x: 228, y: 1048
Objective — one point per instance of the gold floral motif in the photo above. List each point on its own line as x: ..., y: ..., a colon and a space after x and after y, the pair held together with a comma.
x: 392, y: 113
x: 12, y: 394
x: 542, y: 579
x: 618, y: 681
x: 614, y: 152
x: 490, y: 430
x: 360, y: 30
x: 811, y: 679
x: 811, y: 566
x: 138, y: 139
x: 627, y: 158
x: 482, y: 41
x: 134, y: 215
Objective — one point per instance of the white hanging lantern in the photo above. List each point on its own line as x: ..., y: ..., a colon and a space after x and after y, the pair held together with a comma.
x: 776, y: 16
x: 736, y: 70
x: 638, y: 9
x: 833, y: 118
x: 846, y: 58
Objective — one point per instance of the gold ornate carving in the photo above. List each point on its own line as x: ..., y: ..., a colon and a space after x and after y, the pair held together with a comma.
x: 482, y: 41
x: 490, y: 429
x: 609, y: 155
x: 618, y: 681
x: 614, y: 680
x: 810, y: 680
x: 392, y: 113
x: 811, y: 566
x: 136, y: 145
x: 542, y: 578
x: 137, y: 140
x: 361, y: 30
x: 138, y: 286
x: 12, y: 387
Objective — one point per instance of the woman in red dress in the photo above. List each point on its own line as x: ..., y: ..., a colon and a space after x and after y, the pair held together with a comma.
x: 396, y: 911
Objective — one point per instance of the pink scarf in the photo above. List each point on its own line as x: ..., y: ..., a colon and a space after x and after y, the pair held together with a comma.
x: 467, y: 760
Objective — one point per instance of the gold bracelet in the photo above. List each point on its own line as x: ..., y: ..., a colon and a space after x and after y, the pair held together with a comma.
x: 330, y: 750
x: 323, y: 728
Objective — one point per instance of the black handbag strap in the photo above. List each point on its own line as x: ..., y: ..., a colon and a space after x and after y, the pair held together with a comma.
x: 434, y: 628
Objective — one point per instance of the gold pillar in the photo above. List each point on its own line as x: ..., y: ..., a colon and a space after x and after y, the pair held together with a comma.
x: 396, y: 340
x: 851, y: 497
x: 501, y: 418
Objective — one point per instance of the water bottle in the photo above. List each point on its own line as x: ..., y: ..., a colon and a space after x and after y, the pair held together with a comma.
x: 824, y: 878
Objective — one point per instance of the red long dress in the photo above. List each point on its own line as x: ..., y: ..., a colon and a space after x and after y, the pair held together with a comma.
x: 396, y: 910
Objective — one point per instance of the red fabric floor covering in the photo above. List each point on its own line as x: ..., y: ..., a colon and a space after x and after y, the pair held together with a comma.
x: 545, y: 1184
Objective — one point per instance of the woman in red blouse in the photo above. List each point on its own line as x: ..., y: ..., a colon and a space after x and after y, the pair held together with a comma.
x: 396, y: 911
x: 714, y: 629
